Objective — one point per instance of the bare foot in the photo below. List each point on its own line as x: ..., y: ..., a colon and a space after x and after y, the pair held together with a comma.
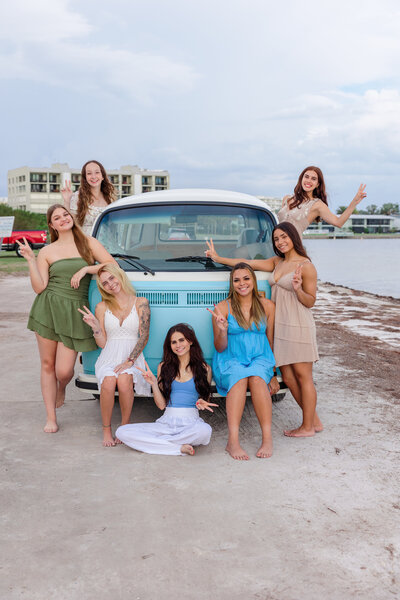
x: 117, y: 441
x: 317, y: 424
x: 187, y: 449
x: 236, y: 451
x: 50, y: 427
x: 108, y: 439
x: 265, y: 450
x: 60, y: 397
x: 299, y: 432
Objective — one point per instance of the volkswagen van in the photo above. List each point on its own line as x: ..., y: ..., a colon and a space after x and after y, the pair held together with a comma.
x: 159, y: 239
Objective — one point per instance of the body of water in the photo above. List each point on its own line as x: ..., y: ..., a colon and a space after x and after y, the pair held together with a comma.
x: 370, y: 265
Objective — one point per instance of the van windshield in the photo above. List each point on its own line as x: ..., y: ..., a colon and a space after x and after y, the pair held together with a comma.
x: 170, y: 237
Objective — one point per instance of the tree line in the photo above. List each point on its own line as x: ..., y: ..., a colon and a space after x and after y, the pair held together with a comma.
x: 24, y: 220
x: 386, y: 209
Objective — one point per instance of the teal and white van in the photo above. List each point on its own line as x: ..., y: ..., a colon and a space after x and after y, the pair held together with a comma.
x: 159, y: 239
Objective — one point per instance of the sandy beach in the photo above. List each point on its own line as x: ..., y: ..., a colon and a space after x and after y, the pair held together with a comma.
x: 320, y: 519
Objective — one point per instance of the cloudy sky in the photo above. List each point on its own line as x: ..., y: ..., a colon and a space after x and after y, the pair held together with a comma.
x: 233, y: 94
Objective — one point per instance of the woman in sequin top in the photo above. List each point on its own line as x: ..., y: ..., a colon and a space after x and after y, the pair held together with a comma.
x: 309, y: 202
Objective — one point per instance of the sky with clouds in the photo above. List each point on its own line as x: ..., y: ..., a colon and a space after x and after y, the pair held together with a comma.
x: 238, y: 94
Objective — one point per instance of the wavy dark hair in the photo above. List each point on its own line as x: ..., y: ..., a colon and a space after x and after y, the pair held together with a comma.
x: 300, y: 196
x: 80, y: 239
x: 85, y: 193
x: 170, y: 363
x: 294, y: 235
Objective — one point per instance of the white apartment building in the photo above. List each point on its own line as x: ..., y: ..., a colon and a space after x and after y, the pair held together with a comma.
x: 274, y: 203
x: 35, y: 189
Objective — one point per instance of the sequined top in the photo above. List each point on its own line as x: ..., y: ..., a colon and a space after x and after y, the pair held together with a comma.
x: 298, y: 216
x: 92, y: 213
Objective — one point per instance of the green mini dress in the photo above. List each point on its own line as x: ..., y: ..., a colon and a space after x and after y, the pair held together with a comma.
x: 54, y: 314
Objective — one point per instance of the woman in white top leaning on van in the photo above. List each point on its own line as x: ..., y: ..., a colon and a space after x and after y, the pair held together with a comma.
x: 95, y: 193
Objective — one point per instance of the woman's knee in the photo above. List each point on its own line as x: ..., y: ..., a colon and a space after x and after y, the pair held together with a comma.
x: 125, y: 384
x: 109, y: 384
x: 64, y: 375
x: 48, y: 365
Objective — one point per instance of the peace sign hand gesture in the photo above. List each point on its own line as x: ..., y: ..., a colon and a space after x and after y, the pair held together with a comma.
x: 361, y: 194
x: 203, y: 405
x: 220, y: 320
x: 66, y: 192
x: 297, y: 279
x: 211, y: 252
x: 147, y: 374
x: 25, y: 250
x: 90, y: 319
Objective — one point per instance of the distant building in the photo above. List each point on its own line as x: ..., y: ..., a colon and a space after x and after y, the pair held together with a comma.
x: 373, y: 223
x: 3, y: 200
x: 274, y: 203
x: 35, y: 189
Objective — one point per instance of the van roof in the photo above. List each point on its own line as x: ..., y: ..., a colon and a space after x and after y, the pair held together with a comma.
x: 191, y: 195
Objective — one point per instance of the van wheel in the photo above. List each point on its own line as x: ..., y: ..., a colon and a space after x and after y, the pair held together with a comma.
x: 278, y: 397
x: 18, y: 249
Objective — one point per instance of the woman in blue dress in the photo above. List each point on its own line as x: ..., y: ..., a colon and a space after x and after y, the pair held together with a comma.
x: 182, y: 388
x: 243, y: 327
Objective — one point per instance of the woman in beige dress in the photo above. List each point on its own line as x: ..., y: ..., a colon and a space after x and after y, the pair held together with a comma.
x: 294, y: 286
x: 309, y: 203
x: 95, y: 193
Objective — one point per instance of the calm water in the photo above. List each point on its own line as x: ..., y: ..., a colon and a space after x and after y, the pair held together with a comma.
x: 371, y: 265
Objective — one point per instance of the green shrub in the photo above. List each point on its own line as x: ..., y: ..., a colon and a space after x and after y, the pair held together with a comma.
x: 24, y: 220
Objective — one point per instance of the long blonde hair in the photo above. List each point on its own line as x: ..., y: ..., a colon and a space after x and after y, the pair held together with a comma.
x: 126, y: 285
x: 257, y: 313
x: 85, y: 198
x: 80, y: 239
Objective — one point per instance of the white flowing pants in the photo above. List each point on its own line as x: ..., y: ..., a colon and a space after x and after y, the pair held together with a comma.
x: 176, y: 427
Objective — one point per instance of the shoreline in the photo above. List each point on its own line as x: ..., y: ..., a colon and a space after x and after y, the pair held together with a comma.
x: 355, y: 236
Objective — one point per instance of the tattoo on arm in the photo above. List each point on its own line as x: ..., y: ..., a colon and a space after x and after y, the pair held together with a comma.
x: 144, y: 327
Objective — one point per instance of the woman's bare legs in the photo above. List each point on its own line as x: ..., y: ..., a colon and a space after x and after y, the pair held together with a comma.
x: 235, y: 402
x: 308, y: 394
x: 262, y: 403
x: 64, y: 368
x: 107, y: 400
x: 289, y: 377
x: 48, y: 381
x: 125, y: 393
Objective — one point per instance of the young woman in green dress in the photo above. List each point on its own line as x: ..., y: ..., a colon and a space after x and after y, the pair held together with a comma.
x: 60, y: 276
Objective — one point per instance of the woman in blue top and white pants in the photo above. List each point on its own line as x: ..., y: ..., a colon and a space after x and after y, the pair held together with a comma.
x: 182, y: 388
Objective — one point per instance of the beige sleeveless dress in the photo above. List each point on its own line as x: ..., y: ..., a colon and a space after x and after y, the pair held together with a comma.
x: 295, y: 334
x: 297, y: 216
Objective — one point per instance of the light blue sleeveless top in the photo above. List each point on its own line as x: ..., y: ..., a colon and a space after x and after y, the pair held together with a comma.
x: 183, y: 394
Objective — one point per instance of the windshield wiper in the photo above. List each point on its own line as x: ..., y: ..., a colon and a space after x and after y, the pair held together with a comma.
x: 204, y: 260
x: 132, y: 260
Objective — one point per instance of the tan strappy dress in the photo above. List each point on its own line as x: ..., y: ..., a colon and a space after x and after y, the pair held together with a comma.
x: 295, y: 335
x: 297, y: 216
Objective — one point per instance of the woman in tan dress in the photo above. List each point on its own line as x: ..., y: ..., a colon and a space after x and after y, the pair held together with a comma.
x: 294, y: 286
x: 309, y: 203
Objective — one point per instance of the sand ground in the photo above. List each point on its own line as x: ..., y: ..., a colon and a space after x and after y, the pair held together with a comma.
x: 320, y: 519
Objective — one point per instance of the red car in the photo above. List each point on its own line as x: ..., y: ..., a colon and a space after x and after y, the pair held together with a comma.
x: 36, y: 240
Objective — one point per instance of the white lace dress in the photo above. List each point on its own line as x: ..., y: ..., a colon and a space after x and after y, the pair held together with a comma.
x: 121, y: 340
x: 91, y: 215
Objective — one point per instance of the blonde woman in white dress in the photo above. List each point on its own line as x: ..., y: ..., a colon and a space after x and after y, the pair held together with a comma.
x: 121, y: 328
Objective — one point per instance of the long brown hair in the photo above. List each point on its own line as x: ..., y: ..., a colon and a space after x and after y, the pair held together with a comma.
x: 257, y: 313
x: 108, y: 298
x: 85, y: 193
x: 300, y: 195
x: 170, y: 363
x: 80, y: 239
x: 294, y: 236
